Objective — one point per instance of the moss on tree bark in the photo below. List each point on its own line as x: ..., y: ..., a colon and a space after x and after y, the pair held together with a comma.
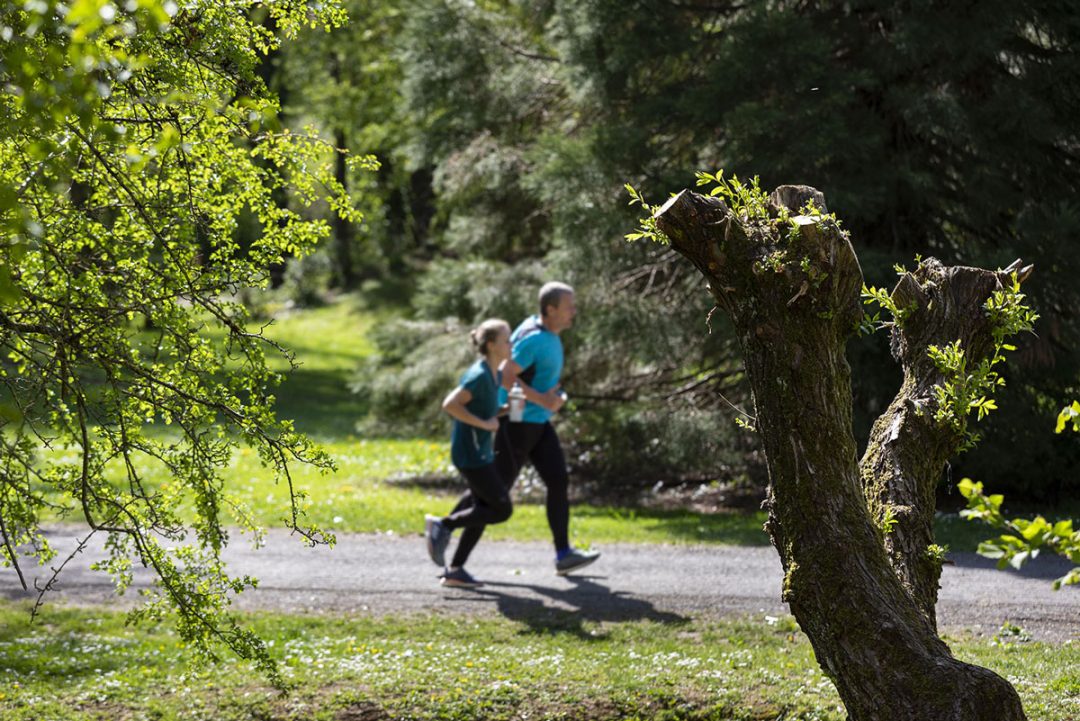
x: 791, y: 284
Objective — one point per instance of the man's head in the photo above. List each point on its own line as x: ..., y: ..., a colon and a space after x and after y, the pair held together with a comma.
x: 557, y: 307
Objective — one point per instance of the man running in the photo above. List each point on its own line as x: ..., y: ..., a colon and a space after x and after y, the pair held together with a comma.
x: 537, y: 360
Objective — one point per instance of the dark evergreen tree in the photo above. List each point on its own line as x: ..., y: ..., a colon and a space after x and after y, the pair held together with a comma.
x: 917, y: 120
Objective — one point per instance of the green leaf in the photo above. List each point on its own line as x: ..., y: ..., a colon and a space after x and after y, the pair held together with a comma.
x: 1063, y: 528
x: 1019, y: 559
x: 969, y: 488
x: 1035, y: 529
x: 1069, y: 414
x: 989, y: 549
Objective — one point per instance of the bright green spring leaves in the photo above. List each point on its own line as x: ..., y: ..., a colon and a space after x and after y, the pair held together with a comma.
x: 137, y: 136
x: 1023, y: 539
x: 966, y: 388
x: 1070, y: 414
x: 647, y: 229
x: 746, y: 201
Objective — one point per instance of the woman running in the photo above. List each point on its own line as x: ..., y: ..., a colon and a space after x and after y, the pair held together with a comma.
x: 474, y: 406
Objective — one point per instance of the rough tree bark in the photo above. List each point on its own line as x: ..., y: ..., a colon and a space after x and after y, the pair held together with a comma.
x: 907, y: 449
x: 794, y: 299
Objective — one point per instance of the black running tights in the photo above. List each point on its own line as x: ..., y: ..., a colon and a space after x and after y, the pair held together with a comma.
x: 537, y: 443
x: 486, y: 501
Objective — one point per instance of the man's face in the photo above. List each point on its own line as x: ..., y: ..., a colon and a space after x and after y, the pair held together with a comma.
x: 561, y: 316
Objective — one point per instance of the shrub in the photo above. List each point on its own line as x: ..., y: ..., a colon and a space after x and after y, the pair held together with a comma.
x: 641, y: 444
x: 307, y: 279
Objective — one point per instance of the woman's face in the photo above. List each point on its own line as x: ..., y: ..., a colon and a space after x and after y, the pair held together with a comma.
x: 499, y: 347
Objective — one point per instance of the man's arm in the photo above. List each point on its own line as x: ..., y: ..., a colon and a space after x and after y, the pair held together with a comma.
x: 552, y: 400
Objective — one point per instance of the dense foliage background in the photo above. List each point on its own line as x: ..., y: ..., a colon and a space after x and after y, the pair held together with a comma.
x: 506, y: 132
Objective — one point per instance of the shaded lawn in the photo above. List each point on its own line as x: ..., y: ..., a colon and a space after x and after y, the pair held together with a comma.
x: 329, y: 344
x: 320, y: 403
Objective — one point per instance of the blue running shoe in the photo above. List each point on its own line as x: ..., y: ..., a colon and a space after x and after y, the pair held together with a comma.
x: 438, y: 538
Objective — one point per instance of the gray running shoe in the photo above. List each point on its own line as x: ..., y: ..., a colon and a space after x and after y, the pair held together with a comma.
x: 574, y: 560
x: 460, y: 579
x: 438, y: 538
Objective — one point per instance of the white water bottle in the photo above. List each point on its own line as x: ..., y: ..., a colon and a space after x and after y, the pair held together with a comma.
x: 517, y: 403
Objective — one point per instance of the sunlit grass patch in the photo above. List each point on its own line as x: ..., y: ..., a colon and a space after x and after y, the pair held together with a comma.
x: 358, y: 497
x: 333, y: 337
x: 420, y: 667
x: 371, y: 492
x: 367, y: 495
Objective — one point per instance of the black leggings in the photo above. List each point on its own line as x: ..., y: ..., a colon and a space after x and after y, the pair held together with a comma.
x: 486, y: 501
x: 514, y: 444
x: 539, y: 444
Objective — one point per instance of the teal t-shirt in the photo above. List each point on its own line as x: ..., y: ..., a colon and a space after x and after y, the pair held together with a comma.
x: 539, y: 352
x: 471, y: 446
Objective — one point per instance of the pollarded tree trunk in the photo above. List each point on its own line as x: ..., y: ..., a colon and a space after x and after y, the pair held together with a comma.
x: 908, y: 449
x: 792, y: 290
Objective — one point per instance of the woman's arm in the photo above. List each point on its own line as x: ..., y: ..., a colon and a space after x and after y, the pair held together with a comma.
x: 454, y: 405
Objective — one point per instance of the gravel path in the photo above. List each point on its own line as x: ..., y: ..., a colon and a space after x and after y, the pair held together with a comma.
x: 377, y: 574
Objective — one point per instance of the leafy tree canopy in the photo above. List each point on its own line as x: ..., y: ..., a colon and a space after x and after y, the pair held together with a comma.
x: 135, y: 136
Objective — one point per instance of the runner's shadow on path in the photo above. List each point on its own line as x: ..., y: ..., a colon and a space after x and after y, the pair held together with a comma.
x: 585, y: 601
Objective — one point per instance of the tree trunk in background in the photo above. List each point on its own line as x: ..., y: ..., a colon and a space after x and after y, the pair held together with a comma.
x: 268, y: 69
x: 794, y: 300
x: 344, y: 233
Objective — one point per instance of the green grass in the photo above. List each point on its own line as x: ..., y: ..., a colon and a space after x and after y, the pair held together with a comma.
x: 367, y: 494
x: 329, y: 338
x: 373, y: 491
x: 78, y: 664
x: 329, y: 343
